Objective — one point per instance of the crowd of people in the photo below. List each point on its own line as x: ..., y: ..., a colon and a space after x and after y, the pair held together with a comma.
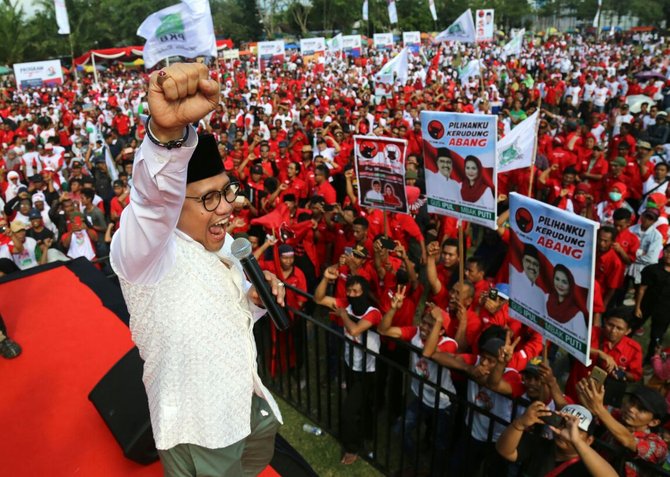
x: 285, y: 135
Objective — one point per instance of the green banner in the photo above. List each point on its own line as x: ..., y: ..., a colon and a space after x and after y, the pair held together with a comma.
x: 463, y: 209
x: 566, y: 339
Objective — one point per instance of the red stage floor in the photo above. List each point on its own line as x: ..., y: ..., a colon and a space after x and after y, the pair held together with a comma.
x: 70, y: 340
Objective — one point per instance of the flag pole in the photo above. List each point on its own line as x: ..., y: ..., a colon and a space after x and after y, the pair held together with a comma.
x: 537, y: 128
x: 479, y: 67
x: 461, y: 271
x: 74, y: 67
x: 95, y: 70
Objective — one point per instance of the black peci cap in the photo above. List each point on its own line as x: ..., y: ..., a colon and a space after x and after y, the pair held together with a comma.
x: 206, y: 161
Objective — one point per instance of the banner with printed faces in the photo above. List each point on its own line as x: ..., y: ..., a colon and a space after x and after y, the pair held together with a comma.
x: 383, y: 41
x: 270, y: 53
x: 313, y: 50
x: 352, y: 45
x: 484, y: 25
x: 552, y: 270
x: 412, y: 40
x: 459, y: 153
x: 38, y: 73
x: 380, y: 172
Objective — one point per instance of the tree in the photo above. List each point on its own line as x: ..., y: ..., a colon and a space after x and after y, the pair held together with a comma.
x: 12, y: 33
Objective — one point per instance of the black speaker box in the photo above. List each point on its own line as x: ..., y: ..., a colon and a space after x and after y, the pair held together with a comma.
x: 122, y: 402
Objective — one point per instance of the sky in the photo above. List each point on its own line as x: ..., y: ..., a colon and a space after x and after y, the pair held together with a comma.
x: 29, y: 6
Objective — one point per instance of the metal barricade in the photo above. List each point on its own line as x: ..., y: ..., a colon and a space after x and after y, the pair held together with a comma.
x: 400, y: 436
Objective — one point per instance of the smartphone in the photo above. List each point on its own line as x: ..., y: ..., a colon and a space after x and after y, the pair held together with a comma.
x: 348, y: 250
x: 493, y: 293
x: 599, y: 375
x: 555, y: 420
x: 387, y: 243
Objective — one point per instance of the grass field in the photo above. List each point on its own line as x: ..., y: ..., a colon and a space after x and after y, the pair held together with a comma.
x: 322, y: 452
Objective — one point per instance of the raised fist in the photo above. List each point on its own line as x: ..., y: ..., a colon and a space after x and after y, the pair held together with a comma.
x: 178, y: 95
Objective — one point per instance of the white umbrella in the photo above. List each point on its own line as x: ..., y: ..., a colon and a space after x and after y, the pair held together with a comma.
x: 635, y: 102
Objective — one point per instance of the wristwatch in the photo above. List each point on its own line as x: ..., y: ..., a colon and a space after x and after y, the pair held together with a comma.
x: 174, y: 144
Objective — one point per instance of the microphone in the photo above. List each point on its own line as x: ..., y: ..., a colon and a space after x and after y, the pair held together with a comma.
x: 241, y: 250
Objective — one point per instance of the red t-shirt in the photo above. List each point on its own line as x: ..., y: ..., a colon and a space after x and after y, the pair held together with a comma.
x: 629, y: 242
x: 609, y: 270
x: 627, y: 354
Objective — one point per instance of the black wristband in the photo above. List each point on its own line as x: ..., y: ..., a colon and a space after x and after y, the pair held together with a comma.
x: 174, y: 144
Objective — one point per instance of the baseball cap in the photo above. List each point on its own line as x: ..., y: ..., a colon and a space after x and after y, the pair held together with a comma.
x: 643, y: 145
x: 38, y: 197
x: 257, y: 169
x: 652, y: 213
x: 619, y: 161
x: 533, y: 367
x: 492, y: 346
x: 651, y: 399
x: 584, y: 415
x: 360, y: 251
x: 285, y: 249
x: 503, y: 290
x: 17, y: 226
x: 283, y: 144
x: 34, y: 214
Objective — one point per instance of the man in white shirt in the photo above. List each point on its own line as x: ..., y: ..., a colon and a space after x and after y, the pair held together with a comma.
x: 192, y: 311
x: 440, y: 185
x: 524, y: 286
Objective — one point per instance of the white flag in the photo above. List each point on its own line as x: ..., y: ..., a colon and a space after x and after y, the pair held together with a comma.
x: 365, y: 10
x: 514, y: 46
x: 393, y: 13
x: 185, y: 29
x: 472, y: 69
x: 463, y: 29
x: 398, y: 65
x: 433, y: 12
x: 335, y: 43
x: 62, y: 18
x: 516, y: 149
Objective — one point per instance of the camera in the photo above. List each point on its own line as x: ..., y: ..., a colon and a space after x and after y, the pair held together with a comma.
x: 493, y: 293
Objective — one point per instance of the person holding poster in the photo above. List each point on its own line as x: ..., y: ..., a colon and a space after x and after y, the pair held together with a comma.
x: 561, y: 303
x: 555, y: 250
x: 474, y: 189
x: 460, y: 165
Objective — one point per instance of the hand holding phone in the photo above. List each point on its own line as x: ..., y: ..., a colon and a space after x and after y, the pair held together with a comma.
x: 598, y: 375
x: 554, y: 420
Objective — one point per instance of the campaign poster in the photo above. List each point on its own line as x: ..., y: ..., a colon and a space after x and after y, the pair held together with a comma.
x: 383, y: 41
x: 352, y: 45
x: 233, y: 54
x: 484, y: 25
x: 380, y: 171
x: 412, y: 40
x: 552, y: 270
x: 270, y: 53
x: 38, y: 74
x: 313, y: 50
x: 459, y: 153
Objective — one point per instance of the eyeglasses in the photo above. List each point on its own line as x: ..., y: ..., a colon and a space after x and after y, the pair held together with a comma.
x: 211, y: 200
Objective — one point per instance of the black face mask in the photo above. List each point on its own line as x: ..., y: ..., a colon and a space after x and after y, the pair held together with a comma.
x: 359, y: 304
x: 402, y: 277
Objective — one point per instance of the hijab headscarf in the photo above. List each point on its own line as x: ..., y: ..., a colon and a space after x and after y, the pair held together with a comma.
x: 472, y: 193
x: 562, y: 311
